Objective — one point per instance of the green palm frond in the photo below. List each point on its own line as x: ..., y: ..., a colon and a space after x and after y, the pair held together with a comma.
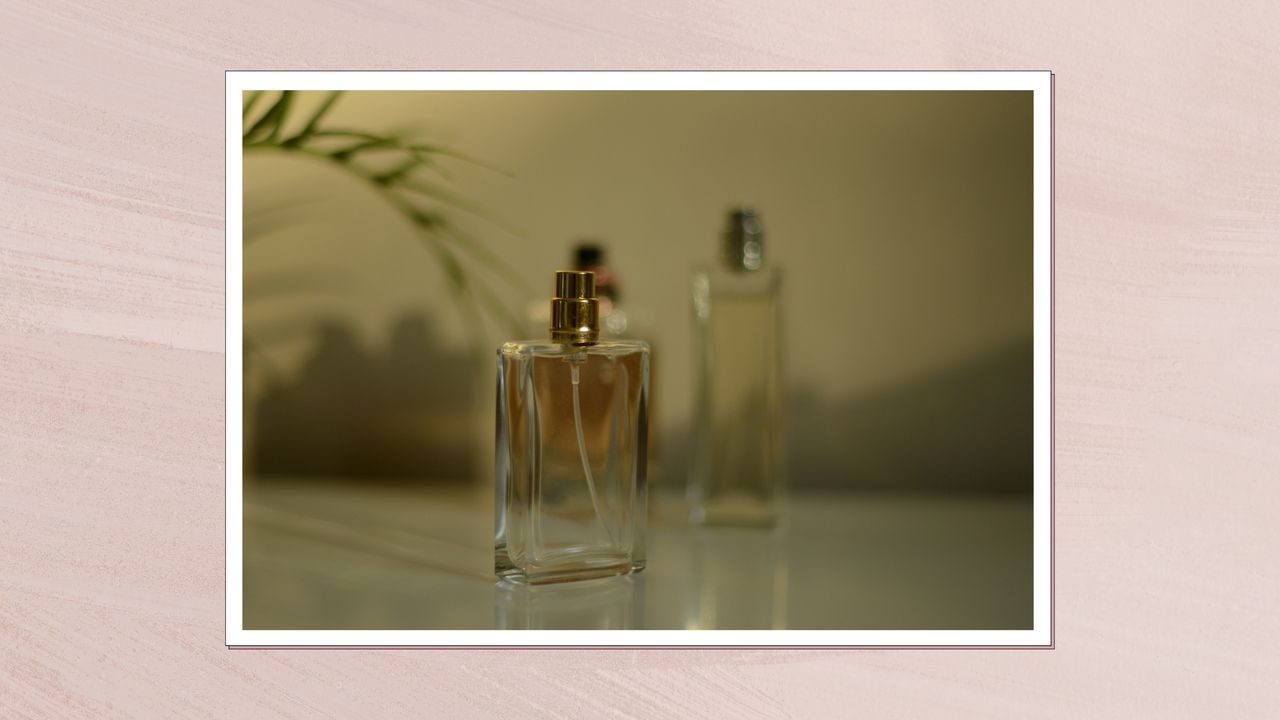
x: 397, y: 177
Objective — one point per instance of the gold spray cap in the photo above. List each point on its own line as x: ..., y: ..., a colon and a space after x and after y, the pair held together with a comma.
x: 575, y: 311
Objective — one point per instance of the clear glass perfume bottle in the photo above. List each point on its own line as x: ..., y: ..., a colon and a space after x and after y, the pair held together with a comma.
x: 737, y: 465
x: 571, y: 447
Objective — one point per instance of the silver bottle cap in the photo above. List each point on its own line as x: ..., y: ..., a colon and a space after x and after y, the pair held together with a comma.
x: 743, y: 246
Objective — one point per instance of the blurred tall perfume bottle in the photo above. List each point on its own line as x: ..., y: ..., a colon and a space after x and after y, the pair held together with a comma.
x: 572, y: 437
x: 736, y: 474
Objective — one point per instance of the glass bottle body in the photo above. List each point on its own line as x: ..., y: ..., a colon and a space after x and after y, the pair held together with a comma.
x: 737, y: 465
x: 572, y: 434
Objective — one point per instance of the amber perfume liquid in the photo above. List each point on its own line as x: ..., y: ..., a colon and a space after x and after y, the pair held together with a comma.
x: 571, y: 460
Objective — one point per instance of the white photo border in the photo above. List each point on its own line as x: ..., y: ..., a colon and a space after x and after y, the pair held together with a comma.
x: 1039, y: 83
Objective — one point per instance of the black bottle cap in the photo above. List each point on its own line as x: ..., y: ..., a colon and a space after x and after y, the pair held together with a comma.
x: 588, y: 254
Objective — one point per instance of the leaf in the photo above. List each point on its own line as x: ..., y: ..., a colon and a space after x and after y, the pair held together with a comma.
x: 398, y: 172
x: 270, y: 120
x: 459, y: 291
x: 436, y: 192
x: 286, y: 98
x: 344, y: 154
x: 486, y: 256
x: 252, y: 100
x: 398, y: 186
x: 448, y: 152
x: 415, y: 148
x: 310, y: 127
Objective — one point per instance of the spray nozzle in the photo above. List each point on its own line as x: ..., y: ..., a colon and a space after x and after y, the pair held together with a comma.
x: 575, y: 311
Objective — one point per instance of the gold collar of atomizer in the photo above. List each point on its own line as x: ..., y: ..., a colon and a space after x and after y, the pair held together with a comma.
x: 575, y: 311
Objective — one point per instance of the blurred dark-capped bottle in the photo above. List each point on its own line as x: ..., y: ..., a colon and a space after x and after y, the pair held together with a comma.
x: 589, y: 256
x: 615, y: 320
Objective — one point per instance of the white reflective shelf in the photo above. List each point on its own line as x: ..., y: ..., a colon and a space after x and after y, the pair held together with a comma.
x: 329, y: 555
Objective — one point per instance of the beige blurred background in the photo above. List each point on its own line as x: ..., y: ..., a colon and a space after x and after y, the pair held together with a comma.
x: 902, y: 222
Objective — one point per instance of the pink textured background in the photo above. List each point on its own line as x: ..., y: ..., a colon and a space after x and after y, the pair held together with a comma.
x: 111, y: 359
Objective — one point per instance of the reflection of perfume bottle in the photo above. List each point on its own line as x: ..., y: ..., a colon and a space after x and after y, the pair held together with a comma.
x: 736, y: 474
x: 571, y: 444
x: 725, y: 593
x: 606, y: 604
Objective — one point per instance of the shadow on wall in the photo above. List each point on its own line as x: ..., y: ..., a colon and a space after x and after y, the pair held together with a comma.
x: 405, y: 413
x: 411, y: 412
x: 968, y: 428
